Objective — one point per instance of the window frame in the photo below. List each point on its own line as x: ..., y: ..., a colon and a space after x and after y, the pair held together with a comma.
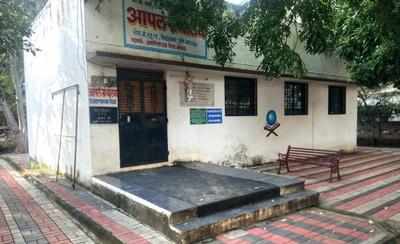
x: 343, y: 100
x: 254, y: 112
x: 293, y: 112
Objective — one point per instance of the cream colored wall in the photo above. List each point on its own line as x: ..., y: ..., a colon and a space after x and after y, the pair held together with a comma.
x: 104, y: 30
x: 243, y: 138
x: 238, y: 140
x: 59, y: 34
x: 104, y: 137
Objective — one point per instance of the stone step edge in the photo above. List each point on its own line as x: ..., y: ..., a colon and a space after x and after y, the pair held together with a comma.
x: 248, y: 215
x: 122, y: 199
x: 101, y: 232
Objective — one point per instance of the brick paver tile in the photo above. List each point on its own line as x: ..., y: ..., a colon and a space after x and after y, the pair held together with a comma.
x: 30, y: 216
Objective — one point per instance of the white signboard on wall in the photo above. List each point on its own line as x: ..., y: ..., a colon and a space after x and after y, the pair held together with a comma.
x: 103, y: 92
x: 146, y: 28
x: 196, y: 94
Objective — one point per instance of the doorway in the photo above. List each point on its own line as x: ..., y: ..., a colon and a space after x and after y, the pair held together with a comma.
x: 142, y: 117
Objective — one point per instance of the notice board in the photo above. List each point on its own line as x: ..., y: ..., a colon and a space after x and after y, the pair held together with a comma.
x: 201, y: 116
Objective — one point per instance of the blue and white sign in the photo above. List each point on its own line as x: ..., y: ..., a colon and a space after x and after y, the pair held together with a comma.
x: 214, y: 116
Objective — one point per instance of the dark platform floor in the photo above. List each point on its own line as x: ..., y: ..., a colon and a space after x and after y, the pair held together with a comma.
x: 192, y: 201
x: 179, y: 187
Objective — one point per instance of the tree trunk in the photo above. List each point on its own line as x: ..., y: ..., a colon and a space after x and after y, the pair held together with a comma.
x: 11, y: 121
x: 17, y: 76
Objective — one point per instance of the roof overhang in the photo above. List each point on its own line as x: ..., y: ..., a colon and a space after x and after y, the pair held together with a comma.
x: 133, y: 61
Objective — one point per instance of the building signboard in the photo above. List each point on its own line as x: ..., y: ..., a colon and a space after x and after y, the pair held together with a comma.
x: 103, y: 92
x: 201, y: 116
x: 195, y: 94
x: 103, y: 96
x: 103, y: 115
x: 103, y: 100
x: 146, y: 28
x: 214, y: 116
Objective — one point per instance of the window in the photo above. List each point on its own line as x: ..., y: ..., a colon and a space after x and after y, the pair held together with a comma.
x: 296, y: 98
x: 240, y: 96
x: 337, y: 100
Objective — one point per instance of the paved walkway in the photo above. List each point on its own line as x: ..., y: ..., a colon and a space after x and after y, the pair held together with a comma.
x: 308, y: 226
x: 370, y: 184
x: 27, y: 216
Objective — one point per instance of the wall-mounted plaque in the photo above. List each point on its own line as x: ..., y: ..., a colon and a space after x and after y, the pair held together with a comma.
x: 103, y: 97
x: 198, y: 116
x: 201, y: 116
x: 103, y: 91
x: 214, y: 116
x: 196, y: 94
x: 103, y: 115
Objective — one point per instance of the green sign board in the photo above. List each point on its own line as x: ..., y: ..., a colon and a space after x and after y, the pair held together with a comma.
x: 201, y: 116
x: 198, y: 116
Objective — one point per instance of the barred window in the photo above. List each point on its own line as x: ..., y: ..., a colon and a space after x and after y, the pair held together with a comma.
x: 337, y: 100
x: 296, y: 98
x: 240, y: 96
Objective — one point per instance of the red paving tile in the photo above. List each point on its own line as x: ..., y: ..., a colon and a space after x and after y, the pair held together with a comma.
x: 345, y: 167
x: 274, y: 238
x: 312, y: 225
x: 226, y: 240
x: 323, y: 180
x: 356, y: 186
x: 374, y: 173
x: 120, y: 231
x: 359, y: 171
x: 369, y: 197
x: 37, y: 213
x: 5, y: 233
x: 387, y: 212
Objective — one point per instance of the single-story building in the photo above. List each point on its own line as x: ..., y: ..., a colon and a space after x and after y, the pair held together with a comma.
x: 149, y: 96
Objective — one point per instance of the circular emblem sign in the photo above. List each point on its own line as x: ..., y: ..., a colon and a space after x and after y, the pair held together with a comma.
x: 271, y: 118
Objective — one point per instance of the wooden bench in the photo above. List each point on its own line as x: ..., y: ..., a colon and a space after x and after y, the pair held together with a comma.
x: 324, y: 158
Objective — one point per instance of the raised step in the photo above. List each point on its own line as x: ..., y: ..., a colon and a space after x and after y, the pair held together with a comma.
x: 194, y: 201
x: 208, y: 226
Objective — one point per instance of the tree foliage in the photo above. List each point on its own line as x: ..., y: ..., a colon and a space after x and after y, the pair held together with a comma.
x: 365, y: 33
x: 15, y: 29
x: 15, y: 25
x: 367, y: 36
x: 266, y: 26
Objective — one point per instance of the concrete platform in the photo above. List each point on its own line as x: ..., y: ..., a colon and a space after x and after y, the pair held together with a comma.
x: 193, y: 201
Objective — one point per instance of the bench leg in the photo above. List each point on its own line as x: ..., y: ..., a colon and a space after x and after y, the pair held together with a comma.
x: 338, y: 171
x: 280, y: 167
x: 281, y: 164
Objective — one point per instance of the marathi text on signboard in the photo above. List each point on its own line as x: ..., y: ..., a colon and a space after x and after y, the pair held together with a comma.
x: 103, y: 92
x: 103, y: 115
x: 146, y: 28
x: 103, y: 96
x: 103, y: 100
x: 196, y: 94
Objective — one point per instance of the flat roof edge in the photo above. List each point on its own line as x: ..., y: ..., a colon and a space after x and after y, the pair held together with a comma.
x: 113, y: 55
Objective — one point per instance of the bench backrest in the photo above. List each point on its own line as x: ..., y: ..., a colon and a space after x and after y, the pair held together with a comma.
x: 300, y: 154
